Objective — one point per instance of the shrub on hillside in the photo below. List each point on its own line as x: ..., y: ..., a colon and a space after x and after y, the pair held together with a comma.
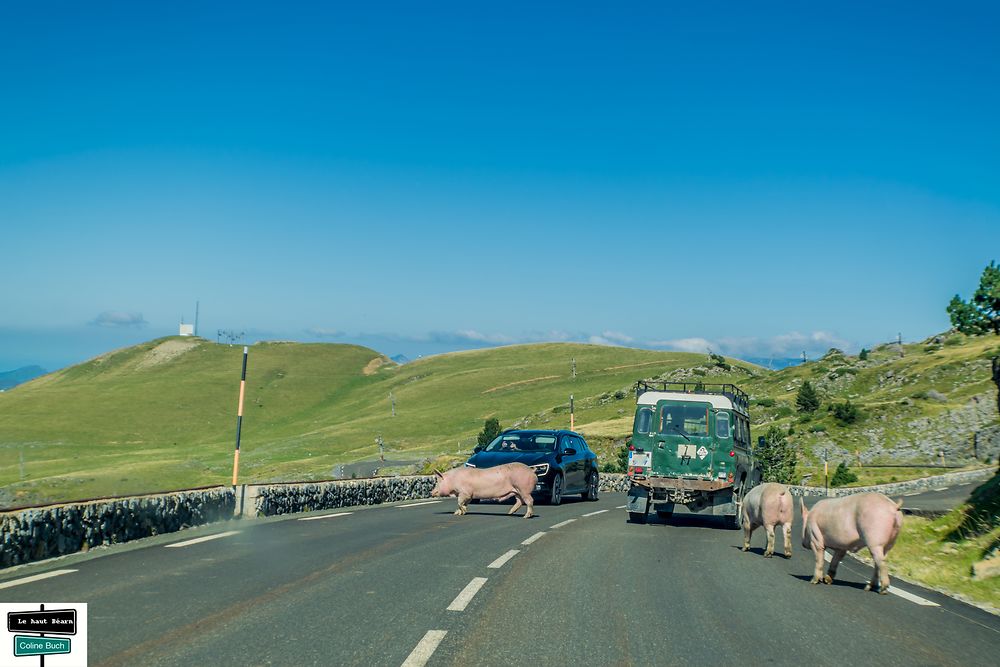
x: 765, y: 402
x: 863, y: 356
x: 842, y: 476
x: 846, y: 413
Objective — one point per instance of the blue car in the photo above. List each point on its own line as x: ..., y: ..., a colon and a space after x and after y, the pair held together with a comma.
x: 562, y: 461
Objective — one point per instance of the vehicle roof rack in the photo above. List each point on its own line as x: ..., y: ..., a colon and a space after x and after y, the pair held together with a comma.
x: 739, y: 397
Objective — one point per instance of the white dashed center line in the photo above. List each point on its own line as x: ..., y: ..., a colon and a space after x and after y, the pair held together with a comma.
x: 564, y: 523
x: 621, y: 507
x: 202, y: 539
x: 36, y: 577
x: 597, y: 512
x: 465, y: 597
x: 498, y: 563
x: 532, y: 538
x: 426, y: 502
x: 425, y: 649
x: 324, y: 516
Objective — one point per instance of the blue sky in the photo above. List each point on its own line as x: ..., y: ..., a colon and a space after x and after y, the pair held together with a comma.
x: 425, y: 177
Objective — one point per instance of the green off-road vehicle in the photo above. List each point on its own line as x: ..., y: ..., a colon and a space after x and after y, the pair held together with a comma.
x: 690, y: 451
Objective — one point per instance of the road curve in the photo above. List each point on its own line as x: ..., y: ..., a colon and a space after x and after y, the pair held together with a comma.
x: 411, y: 583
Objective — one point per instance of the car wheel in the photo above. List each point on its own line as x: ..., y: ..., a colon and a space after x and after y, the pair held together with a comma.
x: 590, y: 493
x: 555, y: 497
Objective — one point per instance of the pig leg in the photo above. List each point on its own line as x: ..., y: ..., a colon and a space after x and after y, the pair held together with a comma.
x: 769, y: 551
x: 788, y: 539
x: 463, y: 502
x: 747, y: 532
x: 831, y: 573
x: 816, y: 543
x: 517, y: 504
x: 530, y: 503
x: 880, y: 571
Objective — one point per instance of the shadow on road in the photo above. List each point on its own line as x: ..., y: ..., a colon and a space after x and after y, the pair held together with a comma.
x: 836, y: 582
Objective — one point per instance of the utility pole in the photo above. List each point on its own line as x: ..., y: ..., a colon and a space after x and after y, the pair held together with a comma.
x: 803, y: 356
x: 574, y: 368
x: 381, y: 447
x: 392, y: 402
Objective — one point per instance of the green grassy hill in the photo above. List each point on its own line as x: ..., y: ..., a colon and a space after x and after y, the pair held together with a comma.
x: 162, y: 415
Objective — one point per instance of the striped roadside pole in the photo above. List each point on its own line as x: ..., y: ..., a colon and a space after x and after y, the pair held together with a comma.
x: 572, y: 418
x: 239, y: 417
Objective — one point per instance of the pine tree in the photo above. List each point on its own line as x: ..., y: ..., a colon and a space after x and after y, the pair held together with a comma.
x: 807, y: 399
x: 776, y: 457
x: 981, y: 313
x: 491, y: 429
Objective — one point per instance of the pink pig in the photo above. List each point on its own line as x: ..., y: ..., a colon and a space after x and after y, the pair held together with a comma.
x: 500, y: 482
x: 768, y: 505
x: 847, y: 524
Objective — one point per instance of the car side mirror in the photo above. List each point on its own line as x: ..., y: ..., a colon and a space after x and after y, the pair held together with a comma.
x: 477, y: 449
x: 569, y: 451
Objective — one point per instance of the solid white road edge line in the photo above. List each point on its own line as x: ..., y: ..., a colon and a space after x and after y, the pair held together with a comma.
x: 597, y: 512
x: 532, y: 538
x: 424, y: 649
x: 564, y: 523
x: 426, y: 502
x: 324, y: 516
x: 34, y: 577
x: 202, y: 539
x: 916, y: 599
x: 465, y: 597
x: 498, y: 563
x: 912, y: 598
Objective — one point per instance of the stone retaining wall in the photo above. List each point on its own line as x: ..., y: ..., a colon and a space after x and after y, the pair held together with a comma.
x: 922, y: 484
x: 272, y: 499
x: 618, y: 483
x: 45, y: 532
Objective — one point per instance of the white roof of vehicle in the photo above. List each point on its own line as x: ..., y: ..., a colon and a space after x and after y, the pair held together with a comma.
x: 717, y: 401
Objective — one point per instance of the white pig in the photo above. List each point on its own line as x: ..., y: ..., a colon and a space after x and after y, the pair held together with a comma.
x: 768, y: 505
x: 847, y: 524
x: 500, y: 482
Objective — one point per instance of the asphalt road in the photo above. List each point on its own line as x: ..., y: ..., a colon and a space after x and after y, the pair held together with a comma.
x: 381, y: 585
x: 939, y: 500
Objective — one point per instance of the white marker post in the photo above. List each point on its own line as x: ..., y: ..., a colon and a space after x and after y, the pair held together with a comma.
x: 572, y: 418
x: 239, y: 417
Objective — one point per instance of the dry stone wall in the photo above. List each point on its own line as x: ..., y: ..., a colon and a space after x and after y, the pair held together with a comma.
x: 46, y: 532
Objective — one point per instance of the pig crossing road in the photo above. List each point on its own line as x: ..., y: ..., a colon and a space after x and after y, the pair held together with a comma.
x: 573, y: 585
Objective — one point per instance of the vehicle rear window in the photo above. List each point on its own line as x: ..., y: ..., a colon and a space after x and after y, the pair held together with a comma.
x: 722, y: 425
x: 684, y: 419
x: 522, y: 442
x: 643, y: 419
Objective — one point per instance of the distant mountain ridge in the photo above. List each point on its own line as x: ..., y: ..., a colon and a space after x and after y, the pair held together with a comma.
x: 10, y: 379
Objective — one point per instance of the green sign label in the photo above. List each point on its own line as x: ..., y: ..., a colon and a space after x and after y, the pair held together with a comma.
x: 24, y: 645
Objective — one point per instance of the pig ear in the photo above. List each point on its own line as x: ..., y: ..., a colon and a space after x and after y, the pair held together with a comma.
x: 802, y: 504
x: 438, y: 473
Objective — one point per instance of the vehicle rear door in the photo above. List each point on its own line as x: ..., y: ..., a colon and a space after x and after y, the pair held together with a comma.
x: 683, y: 446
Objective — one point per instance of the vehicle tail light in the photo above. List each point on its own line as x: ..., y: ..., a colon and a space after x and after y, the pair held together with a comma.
x: 732, y: 452
x: 730, y: 478
x: 631, y: 448
x: 638, y: 471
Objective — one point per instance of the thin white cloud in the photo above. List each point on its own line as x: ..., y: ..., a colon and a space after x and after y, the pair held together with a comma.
x: 118, y: 319
x: 320, y: 332
x: 701, y: 345
x: 781, y: 346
